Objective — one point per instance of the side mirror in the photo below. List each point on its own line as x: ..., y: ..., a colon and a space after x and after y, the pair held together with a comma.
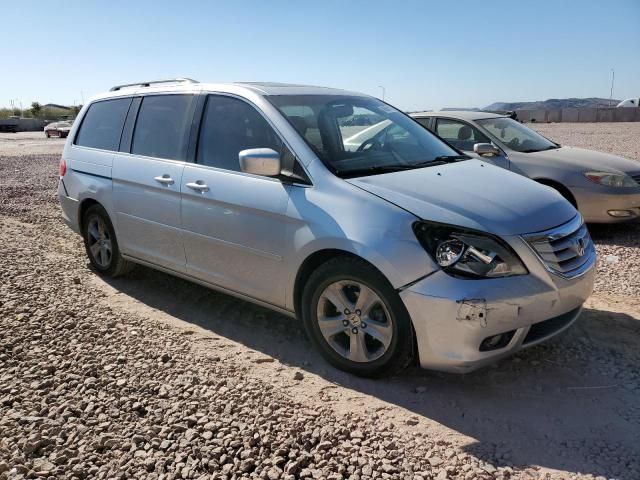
x: 260, y: 161
x: 486, y: 149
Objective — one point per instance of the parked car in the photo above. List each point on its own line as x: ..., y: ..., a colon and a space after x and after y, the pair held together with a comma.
x: 57, y: 129
x: 398, y: 250
x: 605, y: 188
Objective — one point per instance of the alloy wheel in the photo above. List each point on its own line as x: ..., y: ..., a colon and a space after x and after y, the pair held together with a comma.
x: 354, y: 321
x: 99, y: 241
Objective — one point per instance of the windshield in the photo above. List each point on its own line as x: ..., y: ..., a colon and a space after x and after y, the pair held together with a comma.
x: 361, y: 135
x: 515, y: 135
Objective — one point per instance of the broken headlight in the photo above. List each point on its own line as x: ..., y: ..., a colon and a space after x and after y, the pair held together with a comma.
x: 468, y: 253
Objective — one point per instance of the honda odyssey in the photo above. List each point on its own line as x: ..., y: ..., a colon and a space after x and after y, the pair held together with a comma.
x: 394, y: 249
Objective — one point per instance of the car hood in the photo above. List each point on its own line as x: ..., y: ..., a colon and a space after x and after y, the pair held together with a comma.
x: 584, y: 160
x: 472, y: 194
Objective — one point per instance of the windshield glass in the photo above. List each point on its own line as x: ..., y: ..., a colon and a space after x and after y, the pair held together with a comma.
x: 515, y: 135
x: 361, y: 135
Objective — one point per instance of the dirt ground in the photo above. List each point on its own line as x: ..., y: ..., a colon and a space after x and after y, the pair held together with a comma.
x: 152, y: 376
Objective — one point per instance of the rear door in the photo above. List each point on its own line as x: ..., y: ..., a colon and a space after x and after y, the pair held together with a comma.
x: 464, y: 136
x: 234, y: 223
x: 147, y: 174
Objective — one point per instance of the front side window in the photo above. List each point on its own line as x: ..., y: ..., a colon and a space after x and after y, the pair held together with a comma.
x: 163, y: 126
x: 102, y: 124
x: 230, y: 125
x: 515, y: 135
x: 459, y: 134
x: 356, y: 135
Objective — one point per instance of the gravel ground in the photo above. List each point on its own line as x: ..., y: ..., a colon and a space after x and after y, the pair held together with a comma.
x: 151, y: 376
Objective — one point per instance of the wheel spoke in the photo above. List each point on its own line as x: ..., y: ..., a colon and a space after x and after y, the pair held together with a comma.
x: 331, y: 326
x: 335, y: 294
x: 93, y: 231
x: 357, y: 347
x: 95, y: 250
x: 381, y: 332
x: 366, y: 299
x: 104, y: 255
x: 101, y: 229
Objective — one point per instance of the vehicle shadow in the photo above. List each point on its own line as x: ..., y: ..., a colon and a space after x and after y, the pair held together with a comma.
x: 571, y: 404
x: 623, y: 234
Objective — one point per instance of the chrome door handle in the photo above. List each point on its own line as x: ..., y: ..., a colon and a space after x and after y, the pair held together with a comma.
x: 164, y: 179
x: 198, y: 186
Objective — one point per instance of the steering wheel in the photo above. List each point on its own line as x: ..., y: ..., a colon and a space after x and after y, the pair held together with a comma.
x: 371, y: 144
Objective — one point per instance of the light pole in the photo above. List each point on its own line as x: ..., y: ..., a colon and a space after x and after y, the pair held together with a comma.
x: 383, y: 91
x: 613, y: 77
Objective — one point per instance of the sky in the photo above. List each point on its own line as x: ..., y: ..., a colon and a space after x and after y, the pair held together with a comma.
x: 426, y: 54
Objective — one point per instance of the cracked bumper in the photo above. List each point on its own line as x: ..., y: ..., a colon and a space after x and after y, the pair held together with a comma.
x: 452, y: 316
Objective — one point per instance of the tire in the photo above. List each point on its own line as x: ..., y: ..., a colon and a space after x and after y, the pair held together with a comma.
x: 47, y: 134
x: 376, y: 342
x: 101, y: 244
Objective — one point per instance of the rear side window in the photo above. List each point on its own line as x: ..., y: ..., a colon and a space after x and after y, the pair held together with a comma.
x: 163, y: 126
x: 229, y: 126
x: 102, y: 124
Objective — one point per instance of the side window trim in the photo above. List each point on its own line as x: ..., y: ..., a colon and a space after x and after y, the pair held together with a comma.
x: 129, y: 124
x: 194, y: 143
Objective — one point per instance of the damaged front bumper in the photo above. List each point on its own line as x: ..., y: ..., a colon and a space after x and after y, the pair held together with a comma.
x: 463, y: 324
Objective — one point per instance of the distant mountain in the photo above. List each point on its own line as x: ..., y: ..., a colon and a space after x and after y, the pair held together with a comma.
x: 553, y: 104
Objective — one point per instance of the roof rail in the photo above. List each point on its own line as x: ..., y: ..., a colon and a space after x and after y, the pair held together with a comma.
x: 153, y: 82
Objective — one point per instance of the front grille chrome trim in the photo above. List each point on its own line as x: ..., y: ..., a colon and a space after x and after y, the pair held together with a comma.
x: 558, y: 248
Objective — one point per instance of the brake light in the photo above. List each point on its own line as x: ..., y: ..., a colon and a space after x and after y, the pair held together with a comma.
x: 63, y: 167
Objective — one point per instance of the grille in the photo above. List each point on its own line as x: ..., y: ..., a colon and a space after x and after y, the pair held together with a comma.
x: 636, y: 177
x: 567, y: 250
x: 546, y: 328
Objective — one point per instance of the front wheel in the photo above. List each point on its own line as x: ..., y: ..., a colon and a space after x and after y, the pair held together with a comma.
x: 101, y: 244
x: 356, y: 318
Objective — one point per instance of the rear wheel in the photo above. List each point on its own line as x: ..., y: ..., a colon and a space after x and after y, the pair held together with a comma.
x: 101, y: 244
x: 356, y: 319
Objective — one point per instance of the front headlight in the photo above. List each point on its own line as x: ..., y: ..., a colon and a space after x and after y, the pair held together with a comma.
x: 468, y: 253
x: 611, y: 179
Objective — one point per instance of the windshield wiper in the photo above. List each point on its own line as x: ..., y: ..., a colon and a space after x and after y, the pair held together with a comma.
x: 374, y: 169
x: 441, y: 160
x: 534, y: 150
x: 450, y: 158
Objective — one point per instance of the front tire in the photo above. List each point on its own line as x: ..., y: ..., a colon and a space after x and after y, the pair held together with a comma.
x: 356, y: 318
x: 101, y: 243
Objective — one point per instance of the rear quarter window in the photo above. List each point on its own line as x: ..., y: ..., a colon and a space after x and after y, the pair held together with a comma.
x: 102, y: 124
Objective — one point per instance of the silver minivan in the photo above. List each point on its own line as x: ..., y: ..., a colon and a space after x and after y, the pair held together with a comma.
x: 399, y: 248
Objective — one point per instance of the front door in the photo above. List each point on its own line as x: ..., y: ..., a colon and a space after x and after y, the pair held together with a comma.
x: 233, y: 223
x: 146, y: 181
x: 464, y: 136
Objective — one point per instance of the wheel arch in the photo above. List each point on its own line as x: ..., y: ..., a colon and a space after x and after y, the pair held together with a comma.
x: 561, y: 188
x: 82, y: 210
x: 311, y: 263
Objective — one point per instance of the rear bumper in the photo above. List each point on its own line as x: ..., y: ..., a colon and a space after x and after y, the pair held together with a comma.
x: 452, y: 317
x: 595, y: 206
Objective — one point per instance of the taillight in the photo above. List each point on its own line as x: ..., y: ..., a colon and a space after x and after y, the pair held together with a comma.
x: 63, y: 167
